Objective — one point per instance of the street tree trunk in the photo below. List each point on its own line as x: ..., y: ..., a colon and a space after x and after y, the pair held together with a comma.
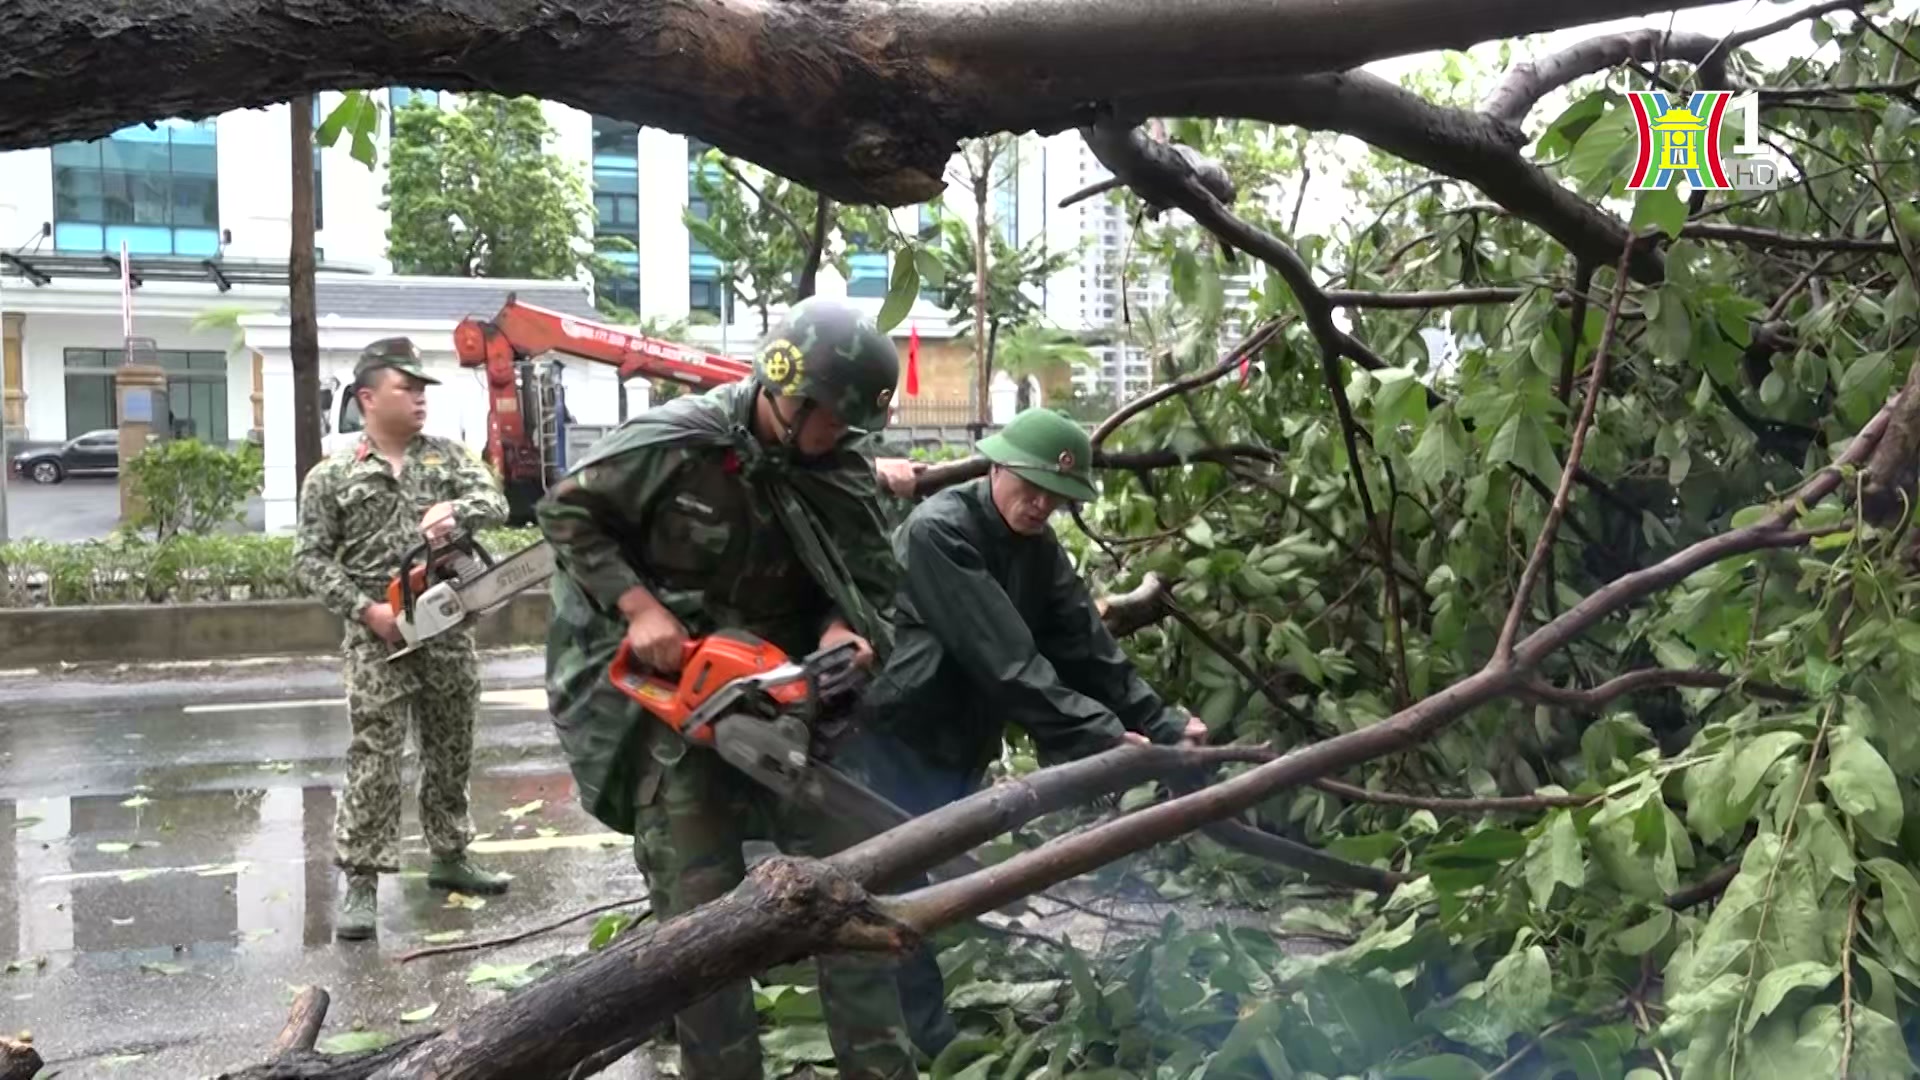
x: 982, y: 181
x: 303, y: 340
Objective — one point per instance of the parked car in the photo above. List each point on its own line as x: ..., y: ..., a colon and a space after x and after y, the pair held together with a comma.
x: 97, y: 453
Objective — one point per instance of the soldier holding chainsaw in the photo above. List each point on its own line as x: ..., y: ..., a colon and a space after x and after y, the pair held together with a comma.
x: 748, y: 508
x: 994, y: 627
x: 361, y: 511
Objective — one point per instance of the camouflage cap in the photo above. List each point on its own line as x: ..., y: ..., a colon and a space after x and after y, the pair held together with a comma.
x: 398, y: 353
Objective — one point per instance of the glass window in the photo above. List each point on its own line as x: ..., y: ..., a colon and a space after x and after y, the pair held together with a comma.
x: 90, y: 404
x: 867, y: 273
x: 155, y: 188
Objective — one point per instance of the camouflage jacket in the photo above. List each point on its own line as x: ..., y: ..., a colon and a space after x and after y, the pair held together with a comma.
x: 357, y: 519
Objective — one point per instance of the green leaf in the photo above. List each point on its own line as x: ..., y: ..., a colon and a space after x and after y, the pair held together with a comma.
x: 420, y: 1015
x: 501, y: 976
x: 161, y: 967
x: 1514, y: 997
x: 1863, y: 786
x: 113, y: 847
x: 1901, y: 894
x: 932, y: 271
x: 1642, y: 937
x: 1601, y: 158
x: 345, y: 115
x: 1671, y: 331
x: 1879, y: 1048
x: 1871, y: 373
x: 518, y: 812
x: 1486, y: 846
x: 901, y: 292
x: 1808, y: 974
x: 1660, y: 209
x: 1755, y: 759
x: 1554, y: 859
x: 1438, y: 1067
x: 353, y: 1042
x: 443, y: 937
x: 1523, y: 441
x: 1442, y: 450
x: 607, y: 928
x: 789, y: 1046
x: 1245, y: 1036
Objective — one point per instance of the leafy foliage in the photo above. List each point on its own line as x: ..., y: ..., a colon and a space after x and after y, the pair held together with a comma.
x: 184, y: 568
x: 473, y: 192
x: 187, y: 486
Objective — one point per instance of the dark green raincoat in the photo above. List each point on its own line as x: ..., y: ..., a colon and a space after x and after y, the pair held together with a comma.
x: 726, y: 534
x: 994, y: 628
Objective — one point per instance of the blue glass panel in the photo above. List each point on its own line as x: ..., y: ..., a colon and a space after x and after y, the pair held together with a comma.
x: 84, y: 155
x: 141, y: 239
x: 69, y: 236
x: 200, y: 243
x: 867, y: 274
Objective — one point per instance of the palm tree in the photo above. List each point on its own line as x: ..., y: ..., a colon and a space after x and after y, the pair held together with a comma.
x: 1032, y: 353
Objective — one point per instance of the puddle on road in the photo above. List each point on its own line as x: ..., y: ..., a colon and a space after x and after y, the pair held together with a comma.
x: 167, y: 874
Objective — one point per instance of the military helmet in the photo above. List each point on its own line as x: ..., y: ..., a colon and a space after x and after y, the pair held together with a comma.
x: 398, y: 353
x: 1048, y: 449
x: 828, y: 351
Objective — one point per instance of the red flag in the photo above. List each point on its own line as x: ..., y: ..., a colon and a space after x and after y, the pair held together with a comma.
x: 913, y: 362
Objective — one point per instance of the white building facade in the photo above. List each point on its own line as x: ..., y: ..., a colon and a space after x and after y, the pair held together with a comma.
x: 205, y: 210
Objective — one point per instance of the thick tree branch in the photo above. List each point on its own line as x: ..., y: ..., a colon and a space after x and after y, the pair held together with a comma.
x: 864, y: 101
x: 304, y: 1020
x: 1468, y: 146
x: 1143, y: 605
x: 1526, y: 83
x: 1707, y: 888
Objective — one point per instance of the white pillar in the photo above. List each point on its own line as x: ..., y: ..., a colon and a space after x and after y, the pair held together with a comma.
x: 280, y: 501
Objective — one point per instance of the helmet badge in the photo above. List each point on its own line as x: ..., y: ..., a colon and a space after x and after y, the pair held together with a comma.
x: 883, y: 397
x: 781, y: 360
x: 1066, y: 459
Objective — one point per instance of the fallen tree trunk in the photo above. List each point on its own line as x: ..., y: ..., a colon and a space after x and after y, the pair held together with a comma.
x: 863, y: 101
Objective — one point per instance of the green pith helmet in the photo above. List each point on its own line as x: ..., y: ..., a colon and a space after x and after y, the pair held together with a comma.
x: 1045, y: 448
x: 827, y: 351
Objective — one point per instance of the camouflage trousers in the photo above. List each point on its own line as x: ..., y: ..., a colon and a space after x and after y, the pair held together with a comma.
x: 688, y: 843
x: 435, y: 693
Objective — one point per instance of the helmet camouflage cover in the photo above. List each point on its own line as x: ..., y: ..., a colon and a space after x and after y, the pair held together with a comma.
x: 828, y: 351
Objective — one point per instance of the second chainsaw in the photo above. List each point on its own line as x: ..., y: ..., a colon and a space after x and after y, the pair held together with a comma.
x: 445, y: 584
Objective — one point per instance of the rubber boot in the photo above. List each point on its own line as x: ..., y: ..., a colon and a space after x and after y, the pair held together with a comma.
x: 355, y: 919
x: 458, y: 874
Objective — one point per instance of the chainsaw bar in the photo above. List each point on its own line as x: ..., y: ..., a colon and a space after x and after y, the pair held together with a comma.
x: 771, y: 758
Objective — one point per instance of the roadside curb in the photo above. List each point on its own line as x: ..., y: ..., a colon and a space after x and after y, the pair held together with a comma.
x: 42, y: 691
x: 144, y: 633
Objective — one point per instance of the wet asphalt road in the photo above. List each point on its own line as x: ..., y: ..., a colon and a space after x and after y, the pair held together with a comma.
x: 166, y: 878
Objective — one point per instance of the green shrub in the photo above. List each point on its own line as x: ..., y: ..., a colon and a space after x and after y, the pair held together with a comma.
x: 130, y: 568
x: 187, y: 486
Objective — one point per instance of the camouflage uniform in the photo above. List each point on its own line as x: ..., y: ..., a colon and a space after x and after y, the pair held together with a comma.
x: 357, y: 520
x: 686, y: 503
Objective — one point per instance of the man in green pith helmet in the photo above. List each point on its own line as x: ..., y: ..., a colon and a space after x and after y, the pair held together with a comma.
x: 751, y: 507
x: 993, y: 626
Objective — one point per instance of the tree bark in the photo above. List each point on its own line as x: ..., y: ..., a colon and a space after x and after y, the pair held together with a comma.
x: 863, y: 100
x: 309, y: 1012
x: 18, y: 1060
x: 982, y: 182
x: 303, y: 336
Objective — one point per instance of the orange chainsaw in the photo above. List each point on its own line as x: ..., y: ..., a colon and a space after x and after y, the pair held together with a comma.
x: 746, y: 699
x: 443, y: 585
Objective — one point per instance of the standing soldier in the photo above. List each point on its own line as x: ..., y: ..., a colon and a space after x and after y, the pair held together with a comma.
x: 751, y: 507
x: 361, y: 511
